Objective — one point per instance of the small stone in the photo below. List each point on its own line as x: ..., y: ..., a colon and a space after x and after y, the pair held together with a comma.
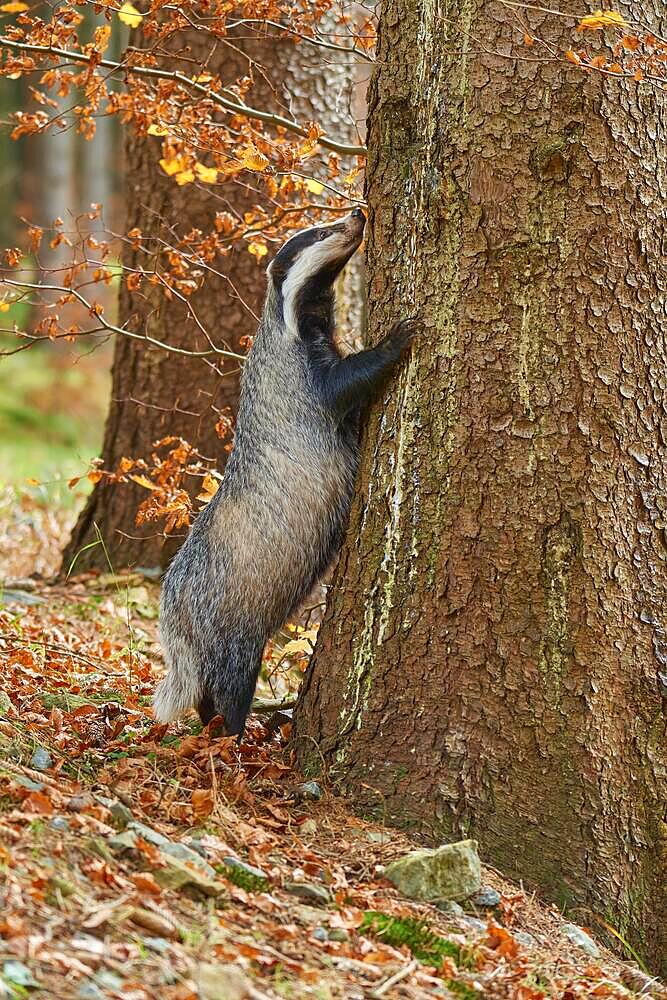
x: 179, y: 875
x: 309, y: 791
x: 59, y: 823
x: 149, y: 834
x: 183, y: 853
x: 121, y: 814
x: 451, y: 908
x: 486, y: 898
x: 80, y: 802
x: 309, y: 891
x: 88, y: 990
x: 377, y: 836
x: 222, y: 982
x: 339, y: 934
x: 197, y: 846
x: 32, y: 786
x: 108, y: 980
x: 581, y: 939
x: 122, y: 842
x: 453, y: 871
x: 309, y: 916
x: 308, y: 828
x: 5, y: 704
x: 158, y: 944
x: 18, y: 974
x: 20, y: 597
x: 41, y: 760
x: 20, y: 583
x: 525, y: 939
x: 474, y: 923
x: 320, y: 934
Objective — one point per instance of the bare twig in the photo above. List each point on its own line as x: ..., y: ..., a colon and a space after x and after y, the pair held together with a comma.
x: 403, y: 973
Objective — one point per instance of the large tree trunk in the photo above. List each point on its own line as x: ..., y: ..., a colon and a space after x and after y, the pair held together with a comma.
x: 493, y: 661
x: 155, y: 392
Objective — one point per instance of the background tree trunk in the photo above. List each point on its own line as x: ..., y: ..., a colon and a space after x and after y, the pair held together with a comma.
x: 154, y: 392
x: 493, y: 661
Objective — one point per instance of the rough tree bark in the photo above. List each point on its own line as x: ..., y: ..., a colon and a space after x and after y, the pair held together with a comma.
x: 155, y: 392
x: 493, y: 660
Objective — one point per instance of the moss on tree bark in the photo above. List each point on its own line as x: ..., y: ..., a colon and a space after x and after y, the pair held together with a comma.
x: 494, y: 653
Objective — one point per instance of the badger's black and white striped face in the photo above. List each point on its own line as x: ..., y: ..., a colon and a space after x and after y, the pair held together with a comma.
x: 309, y: 263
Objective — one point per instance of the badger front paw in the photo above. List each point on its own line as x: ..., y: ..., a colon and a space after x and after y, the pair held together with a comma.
x: 403, y: 333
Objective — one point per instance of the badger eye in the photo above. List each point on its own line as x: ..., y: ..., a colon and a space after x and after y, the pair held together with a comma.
x: 323, y: 235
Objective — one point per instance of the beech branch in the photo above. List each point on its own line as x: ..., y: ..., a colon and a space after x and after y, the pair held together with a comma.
x: 111, y: 327
x: 235, y: 107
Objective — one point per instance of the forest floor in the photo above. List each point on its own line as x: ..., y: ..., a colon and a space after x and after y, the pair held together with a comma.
x: 143, y: 862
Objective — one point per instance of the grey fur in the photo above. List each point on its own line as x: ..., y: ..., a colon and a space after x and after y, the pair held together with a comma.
x: 278, y: 517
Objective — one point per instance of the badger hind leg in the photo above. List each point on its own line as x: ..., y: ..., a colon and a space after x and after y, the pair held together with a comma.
x: 229, y: 681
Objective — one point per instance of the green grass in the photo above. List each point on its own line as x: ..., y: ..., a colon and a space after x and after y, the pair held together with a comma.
x: 52, y: 408
x: 426, y: 946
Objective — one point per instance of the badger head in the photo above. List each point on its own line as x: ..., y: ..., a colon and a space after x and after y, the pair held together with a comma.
x: 303, y: 271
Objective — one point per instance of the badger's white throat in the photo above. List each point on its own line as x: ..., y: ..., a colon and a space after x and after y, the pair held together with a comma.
x: 310, y: 262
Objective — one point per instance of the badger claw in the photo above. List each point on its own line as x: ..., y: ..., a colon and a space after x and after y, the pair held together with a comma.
x: 406, y: 330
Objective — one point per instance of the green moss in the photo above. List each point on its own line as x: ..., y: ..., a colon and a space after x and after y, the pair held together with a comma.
x: 244, y: 880
x: 425, y: 945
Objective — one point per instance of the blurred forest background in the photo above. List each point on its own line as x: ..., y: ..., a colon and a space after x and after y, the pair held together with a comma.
x: 53, y: 397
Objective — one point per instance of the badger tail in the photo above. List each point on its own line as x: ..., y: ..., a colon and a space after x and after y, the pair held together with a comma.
x: 181, y: 689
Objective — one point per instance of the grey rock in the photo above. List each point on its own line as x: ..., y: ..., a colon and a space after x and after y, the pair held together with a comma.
x: 453, y: 871
x: 222, y: 982
x: 158, y: 944
x: 80, y: 802
x: 183, y: 853
x: 309, y: 916
x: 59, y: 823
x: 486, y: 898
x: 309, y: 790
x: 449, y: 907
x: 309, y: 891
x: 474, y: 923
x: 148, y: 833
x: 321, y: 934
x: 32, y: 786
x: 20, y: 583
x: 231, y: 862
x: 339, y: 934
x: 20, y: 597
x: 18, y: 974
x: 524, y: 938
x: 41, y: 760
x: 107, y: 980
x: 197, y: 846
x: 178, y: 874
x: 122, y: 842
x: 581, y: 939
x: 121, y: 814
x: 88, y: 990
x: 377, y: 836
x: 308, y: 828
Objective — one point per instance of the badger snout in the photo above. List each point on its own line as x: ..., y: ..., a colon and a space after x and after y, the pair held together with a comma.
x: 354, y: 224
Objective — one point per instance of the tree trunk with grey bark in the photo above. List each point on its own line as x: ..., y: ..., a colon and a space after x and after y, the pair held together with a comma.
x: 493, y: 661
x: 156, y: 393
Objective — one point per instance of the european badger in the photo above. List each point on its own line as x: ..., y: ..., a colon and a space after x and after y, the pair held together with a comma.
x: 278, y: 517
